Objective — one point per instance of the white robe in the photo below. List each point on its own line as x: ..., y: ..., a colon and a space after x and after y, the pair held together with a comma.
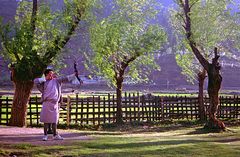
x: 51, y: 93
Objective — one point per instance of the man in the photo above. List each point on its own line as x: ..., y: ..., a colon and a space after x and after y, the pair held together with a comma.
x: 50, y: 87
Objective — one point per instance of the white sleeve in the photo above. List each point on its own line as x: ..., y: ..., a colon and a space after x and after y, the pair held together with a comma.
x: 39, y: 80
x: 64, y: 79
x: 71, y: 77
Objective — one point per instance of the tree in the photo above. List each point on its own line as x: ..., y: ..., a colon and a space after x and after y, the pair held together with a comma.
x: 124, y: 44
x: 191, y: 69
x: 33, y: 41
x: 205, y: 26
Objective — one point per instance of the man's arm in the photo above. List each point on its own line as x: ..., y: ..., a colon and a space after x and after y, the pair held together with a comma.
x: 40, y: 83
x: 65, y: 79
x: 39, y: 80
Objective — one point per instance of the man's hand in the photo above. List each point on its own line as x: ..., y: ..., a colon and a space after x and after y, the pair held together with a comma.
x: 76, y: 73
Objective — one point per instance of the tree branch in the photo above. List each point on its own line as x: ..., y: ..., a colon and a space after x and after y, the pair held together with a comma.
x: 33, y: 22
x: 127, y: 61
x: 58, y: 43
x: 187, y: 12
x: 182, y: 16
x: 15, y: 54
x: 215, y: 59
x: 34, y: 16
x: 193, y: 4
x: 181, y: 3
x: 6, y: 44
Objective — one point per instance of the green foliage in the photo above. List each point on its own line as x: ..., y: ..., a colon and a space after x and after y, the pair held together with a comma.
x: 213, y: 25
x: 236, y: 28
x: 125, y: 39
x: 189, y: 68
x: 33, y: 42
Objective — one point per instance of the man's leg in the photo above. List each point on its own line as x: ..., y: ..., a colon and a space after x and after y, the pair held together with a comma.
x: 54, y: 129
x: 50, y: 131
x: 56, y: 136
x: 45, y: 128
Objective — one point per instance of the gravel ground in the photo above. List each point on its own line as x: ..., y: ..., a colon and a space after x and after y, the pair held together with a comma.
x: 15, y: 135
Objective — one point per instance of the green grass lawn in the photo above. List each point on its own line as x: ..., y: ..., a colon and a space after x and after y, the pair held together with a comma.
x: 146, y: 141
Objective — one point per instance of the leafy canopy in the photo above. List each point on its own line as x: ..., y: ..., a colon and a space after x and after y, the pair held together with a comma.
x: 126, y: 38
x: 213, y: 25
x: 33, y: 42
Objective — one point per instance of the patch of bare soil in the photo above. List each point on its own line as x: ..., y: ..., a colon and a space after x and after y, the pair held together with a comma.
x: 15, y: 135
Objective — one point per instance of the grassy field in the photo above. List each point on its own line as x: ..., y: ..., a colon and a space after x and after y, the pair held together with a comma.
x: 142, y: 140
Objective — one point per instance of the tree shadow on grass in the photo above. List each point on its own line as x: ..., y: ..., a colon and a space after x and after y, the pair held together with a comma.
x: 145, y: 127
x: 36, y: 139
x: 229, y: 140
x: 116, y: 149
x: 135, y: 145
x: 202, y: 131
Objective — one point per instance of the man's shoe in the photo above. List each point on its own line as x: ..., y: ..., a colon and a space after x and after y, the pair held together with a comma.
x: 45, y: 138
x: 57, y: 137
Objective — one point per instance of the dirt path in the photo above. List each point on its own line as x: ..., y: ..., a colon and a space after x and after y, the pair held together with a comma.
x: 15, y: 135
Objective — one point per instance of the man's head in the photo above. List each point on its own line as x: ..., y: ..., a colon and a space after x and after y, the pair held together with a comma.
x: 49, y: 74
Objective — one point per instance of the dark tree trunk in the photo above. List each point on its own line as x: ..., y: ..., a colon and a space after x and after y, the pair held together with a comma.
x: 201, y: 78
x: 119, y: 118
x: 20, y: 101
x: 214, y: 85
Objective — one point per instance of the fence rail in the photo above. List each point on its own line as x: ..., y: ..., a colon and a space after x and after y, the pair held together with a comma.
x: 97, y: 110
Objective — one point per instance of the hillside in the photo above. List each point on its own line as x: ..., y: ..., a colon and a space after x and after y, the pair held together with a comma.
x: 169, y: 77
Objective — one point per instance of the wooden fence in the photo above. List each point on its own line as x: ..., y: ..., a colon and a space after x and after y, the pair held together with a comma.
x: 97, y: 110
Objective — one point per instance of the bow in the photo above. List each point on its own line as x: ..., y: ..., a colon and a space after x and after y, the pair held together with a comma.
x: 76, y: 73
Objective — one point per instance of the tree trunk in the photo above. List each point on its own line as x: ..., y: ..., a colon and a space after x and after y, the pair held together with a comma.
x: 119, y: 117
x: 214, y: 85
x: 213, y: 70
x: 20, y: 101
x: 201, y: 78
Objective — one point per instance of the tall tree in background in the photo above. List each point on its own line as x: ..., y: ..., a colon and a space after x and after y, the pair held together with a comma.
x: 191, y: 69
x: 206, y: 25
x: 124, y: 44
x: 33, y: 41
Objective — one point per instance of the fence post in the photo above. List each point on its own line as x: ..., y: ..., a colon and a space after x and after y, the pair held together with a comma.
x: 7, y: 110
x: 238, y: 110
x: 109, y: 108
x: 126, y: 106
x: 99, y: 110
x: 162, y: 107
x: 68, y: 110
x: 104, y: 110
x: 93, y: 110
x: 30, y: 109
x: 158, y: 108
x: 138, y: 106
x: 0, y: 109
x: 76, y: 113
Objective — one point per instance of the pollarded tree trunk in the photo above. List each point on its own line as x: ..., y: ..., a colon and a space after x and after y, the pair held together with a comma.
x: 119, y: 118
x: 201, y: 78
x: 20, y: 102
x: 214, y: 85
